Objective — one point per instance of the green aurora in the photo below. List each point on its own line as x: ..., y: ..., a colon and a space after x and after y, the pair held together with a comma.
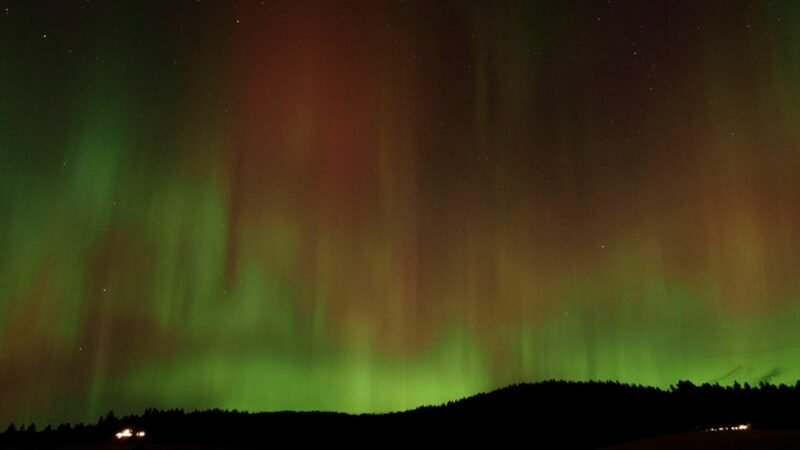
x: 369, y: 206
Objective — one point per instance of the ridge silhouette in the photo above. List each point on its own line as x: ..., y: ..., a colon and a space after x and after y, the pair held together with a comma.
x: 573, y: 414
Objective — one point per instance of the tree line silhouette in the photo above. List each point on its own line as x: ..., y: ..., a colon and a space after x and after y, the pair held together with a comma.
x: 577, y: 414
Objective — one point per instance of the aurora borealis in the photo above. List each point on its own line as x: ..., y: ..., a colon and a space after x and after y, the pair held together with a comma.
x: 369, y: 206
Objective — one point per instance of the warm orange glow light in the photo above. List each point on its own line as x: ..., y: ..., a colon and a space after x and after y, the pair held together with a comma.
x: 128, y: 433
x: 125, y: 434
x: 741, y: 427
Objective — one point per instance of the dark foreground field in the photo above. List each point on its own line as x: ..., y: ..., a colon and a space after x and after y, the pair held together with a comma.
x: 731, y: 440
x: 544, y: 415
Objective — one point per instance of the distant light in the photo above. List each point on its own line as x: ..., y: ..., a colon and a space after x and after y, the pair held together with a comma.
x: 128, y: 433
x: 125, y: 434
x: 742, y: 427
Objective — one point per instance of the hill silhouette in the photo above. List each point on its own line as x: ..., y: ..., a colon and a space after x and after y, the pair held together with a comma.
x: 568, y: 414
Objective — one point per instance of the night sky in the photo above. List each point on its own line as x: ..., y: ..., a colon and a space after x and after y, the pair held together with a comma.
x: 368, y: 206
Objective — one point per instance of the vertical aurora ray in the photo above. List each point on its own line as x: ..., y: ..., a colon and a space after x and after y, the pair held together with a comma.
x: 305, y: 206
